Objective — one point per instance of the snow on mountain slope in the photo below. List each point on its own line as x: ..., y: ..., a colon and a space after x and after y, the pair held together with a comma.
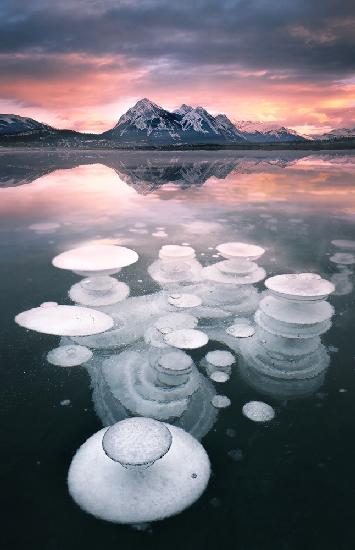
x: 337, y: 133
x: 256, y: 131
x: 146, y: 121
x: 15, y: 124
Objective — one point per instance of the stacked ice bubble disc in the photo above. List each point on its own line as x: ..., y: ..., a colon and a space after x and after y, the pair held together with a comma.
x: 286, y: 346
x: 218, y: 365
x: 164, y: 385
x: 343, y: 259
x: 139, y: 470
x: 96, y: 263
x: 176, y: 265
x: 231, y: 280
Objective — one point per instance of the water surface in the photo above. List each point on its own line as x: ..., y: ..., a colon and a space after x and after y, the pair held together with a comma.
x: 288, y: 484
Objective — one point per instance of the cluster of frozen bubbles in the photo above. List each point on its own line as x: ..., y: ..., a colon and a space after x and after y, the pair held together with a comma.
x: 155, y: 401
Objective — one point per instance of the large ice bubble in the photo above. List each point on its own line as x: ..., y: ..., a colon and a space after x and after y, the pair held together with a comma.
x: 109, y: 491
x: 65, y: 320
x: 300, y: 286
x: 103, y: 259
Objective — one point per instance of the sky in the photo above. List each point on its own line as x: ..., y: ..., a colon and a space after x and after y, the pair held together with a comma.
x: 81, y: 64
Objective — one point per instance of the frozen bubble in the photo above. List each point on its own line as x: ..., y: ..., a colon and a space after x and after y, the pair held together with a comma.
x: 99, y: 291
x: 65, y: 320
x: 138, y: 231
x: 221, y: 401
x: 236, y: 454
x: 241, y: 330
x: 345, y: 258
x: 184, y: 300
x: 231, y: 432
x: 137, y: 441
x: 220, y: 358
x: 100, y: 258
x: 185, y: 244
x: 258, y: 411
x: 202, y: 228
x: 175, y: 361
x: 300, y: 286
x: 303, y: 313
x: 186, y: 339
x: 176, y: 252
x: 44, y: 227
x: 111, y: 492
x: 175, y: 321
x: 234, y: 250
x: 159, y: 234
x: 344, y: 243
x: 140, y: 224
x: 69, y: 355
x: 65, y: 403
x: 219, y: 376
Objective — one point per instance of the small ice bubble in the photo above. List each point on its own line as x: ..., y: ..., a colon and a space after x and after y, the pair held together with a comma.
x: 219, y: 376
x: 231, y: 432
x: 159, y: 234
x: 236, y: 454
x: 184, y: 300
x: 257, y: 411
x: 240, y: 330
x: 344, y: 258
x: 344, y: 243
x: 342, y: 390
x: 221, y: 401
x: 69, y: 356
x: 186, y: 339
x: 219, y: 358
x: 65, y: 402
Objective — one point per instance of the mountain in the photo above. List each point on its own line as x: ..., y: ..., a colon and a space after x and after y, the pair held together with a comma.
x: 263, y: 132
x: 337, y: 134
x: 201, y: 126
x: 15, y: 124
x: 148, y: 123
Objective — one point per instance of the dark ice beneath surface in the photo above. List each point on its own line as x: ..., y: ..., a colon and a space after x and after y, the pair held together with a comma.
x: 285, y: 485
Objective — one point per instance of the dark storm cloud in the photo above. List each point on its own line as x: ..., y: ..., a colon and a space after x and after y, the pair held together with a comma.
x: 302, y: 38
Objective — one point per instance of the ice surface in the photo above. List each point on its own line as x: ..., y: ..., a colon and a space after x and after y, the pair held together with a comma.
x: 69, y: 355
x: 107, y: 490
x: 258, y: 411
x: 65, y: 320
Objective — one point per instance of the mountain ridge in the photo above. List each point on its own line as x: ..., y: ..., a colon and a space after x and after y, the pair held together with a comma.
x: 147, y: 124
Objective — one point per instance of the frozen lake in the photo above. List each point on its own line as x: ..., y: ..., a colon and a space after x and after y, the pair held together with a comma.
x: 284, y: 484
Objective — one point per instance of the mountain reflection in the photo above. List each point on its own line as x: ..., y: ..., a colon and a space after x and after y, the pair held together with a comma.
x: 144, y: 171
